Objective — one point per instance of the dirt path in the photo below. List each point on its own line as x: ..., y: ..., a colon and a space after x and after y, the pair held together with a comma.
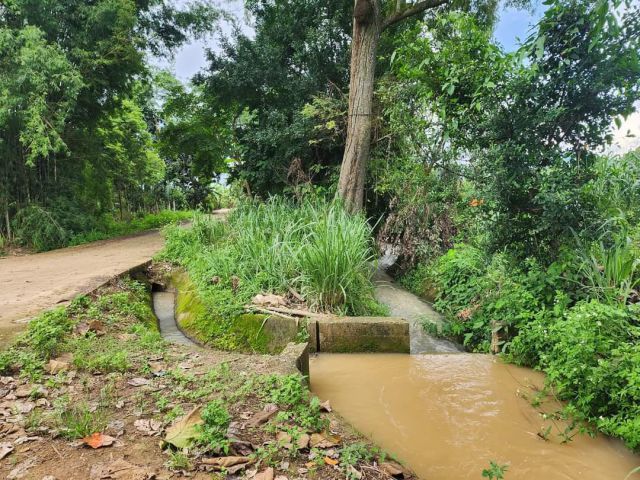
x: 31, y: 283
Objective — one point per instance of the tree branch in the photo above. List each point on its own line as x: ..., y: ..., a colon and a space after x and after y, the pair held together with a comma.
x: 417, y: 8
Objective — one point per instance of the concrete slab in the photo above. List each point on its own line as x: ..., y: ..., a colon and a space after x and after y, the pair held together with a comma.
x: 359, y: 334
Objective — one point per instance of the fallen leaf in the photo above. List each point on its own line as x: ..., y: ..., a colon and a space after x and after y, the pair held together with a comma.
x: 284, y: 440
x: 5, y: 449
x: 226, y: 462
x: 25, y: 439
x: 325, y: 406
x: 324, y: 440
x: 98, y: 440
x: 97, y: 327
x: 148, y: 426
x: 303, y: 441
x: 267, y: 474
x: 281, y: 477
x: 82, y: 329
x: 138, y: 382
x: 120, y: 470
x: 392, y: 468
x: 269, y: 300
x: 264, y: 416
x: 182, y: 432
x: 330, y: 461
x: 21, y: 469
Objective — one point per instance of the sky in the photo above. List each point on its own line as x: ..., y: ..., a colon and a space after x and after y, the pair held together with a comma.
x: 513, y: 27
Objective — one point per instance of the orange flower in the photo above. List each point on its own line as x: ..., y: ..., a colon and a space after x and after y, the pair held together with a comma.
x: 476, y: 202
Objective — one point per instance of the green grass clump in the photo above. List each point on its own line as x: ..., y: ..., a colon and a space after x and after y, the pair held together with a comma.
x: 313, y: 247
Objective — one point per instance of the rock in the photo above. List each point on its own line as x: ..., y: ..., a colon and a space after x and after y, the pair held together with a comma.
x: 60, y: 364
x: 5, y: 449
x: 138, y: 382
x: 267, y: 474
x: 325, y: 406
x: 393, y: 469
x: 23, y: 391
x: 148, y: 426
x: 115, y: 427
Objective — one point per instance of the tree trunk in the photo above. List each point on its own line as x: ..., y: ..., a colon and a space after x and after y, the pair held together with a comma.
x: 364, y: 46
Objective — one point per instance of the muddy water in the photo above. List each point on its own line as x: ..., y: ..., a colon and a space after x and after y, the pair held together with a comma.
x: 448, y: 415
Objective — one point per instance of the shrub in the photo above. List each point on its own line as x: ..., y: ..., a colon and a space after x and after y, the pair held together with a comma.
x: 336, y: 262
x: 39, y: 228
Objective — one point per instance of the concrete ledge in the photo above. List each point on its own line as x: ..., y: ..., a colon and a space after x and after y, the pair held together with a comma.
x: 297, y: 354
x: 359, y: 334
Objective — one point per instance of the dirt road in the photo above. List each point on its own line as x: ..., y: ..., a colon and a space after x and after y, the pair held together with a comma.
x: 32, y: 283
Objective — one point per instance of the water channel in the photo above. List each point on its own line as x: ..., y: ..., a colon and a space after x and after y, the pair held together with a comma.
x: 444, y: 413
x: 447, y: 414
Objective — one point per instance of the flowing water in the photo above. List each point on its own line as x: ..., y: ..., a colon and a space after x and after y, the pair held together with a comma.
x: 164, y: 308
x: 448, y: 415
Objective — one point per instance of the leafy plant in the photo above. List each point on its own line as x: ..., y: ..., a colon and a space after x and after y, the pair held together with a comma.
x: 495, y: 471
x: 213, y: 432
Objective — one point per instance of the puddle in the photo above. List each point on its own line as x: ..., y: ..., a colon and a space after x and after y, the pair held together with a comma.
x: 448, y: 415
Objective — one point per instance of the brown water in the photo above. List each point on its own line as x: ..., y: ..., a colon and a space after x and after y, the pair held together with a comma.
x: 448, y: 415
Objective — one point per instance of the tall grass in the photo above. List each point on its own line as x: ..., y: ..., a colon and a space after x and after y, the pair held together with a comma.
x: 313, y: 248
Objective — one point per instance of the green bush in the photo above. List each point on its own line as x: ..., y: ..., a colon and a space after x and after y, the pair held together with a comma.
x: 39, y: 228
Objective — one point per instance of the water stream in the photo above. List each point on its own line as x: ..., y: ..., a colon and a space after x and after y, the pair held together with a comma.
x: 164, y: 308
x: 448, y: 414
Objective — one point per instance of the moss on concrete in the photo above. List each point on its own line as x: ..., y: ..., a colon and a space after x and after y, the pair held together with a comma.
x: 197, y: 317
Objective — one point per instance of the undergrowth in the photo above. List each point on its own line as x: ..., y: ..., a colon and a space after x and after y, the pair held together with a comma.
x: 57, y: 332
x: 312, y: 248
x: 45, y: 229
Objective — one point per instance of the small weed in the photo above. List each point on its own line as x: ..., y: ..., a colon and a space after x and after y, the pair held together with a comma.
x: 174, y: 413
x: 178, y: 461
x: 77, y: 421
x: 33, y: 420
x: 495, y: 471
x: 213, y: 434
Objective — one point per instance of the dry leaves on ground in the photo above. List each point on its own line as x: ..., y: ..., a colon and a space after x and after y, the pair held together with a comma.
x: 98, y: 440
x: 184, y: 430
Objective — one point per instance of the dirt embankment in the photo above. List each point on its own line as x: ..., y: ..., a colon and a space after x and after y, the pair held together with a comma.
x: 32, y: 283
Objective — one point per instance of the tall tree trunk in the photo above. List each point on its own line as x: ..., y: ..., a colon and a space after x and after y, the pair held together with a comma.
x: 368, y: 23
x: 364, y: 46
